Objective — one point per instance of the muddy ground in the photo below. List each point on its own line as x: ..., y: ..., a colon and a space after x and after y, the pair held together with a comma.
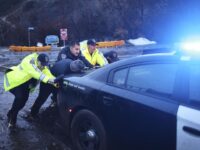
x: 40, y: 135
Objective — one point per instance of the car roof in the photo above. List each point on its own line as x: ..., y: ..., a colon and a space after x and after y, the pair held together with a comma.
x: 161, y: 57
x: 101, y: 73
x: 149, y: 57
x: 156, y: 57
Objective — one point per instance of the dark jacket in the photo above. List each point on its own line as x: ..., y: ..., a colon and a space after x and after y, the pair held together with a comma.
x: 61, y: 67
x: 66, y: 53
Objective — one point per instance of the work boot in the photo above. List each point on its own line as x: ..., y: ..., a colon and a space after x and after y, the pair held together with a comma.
x: 11, y: 124
x: 11, y: 120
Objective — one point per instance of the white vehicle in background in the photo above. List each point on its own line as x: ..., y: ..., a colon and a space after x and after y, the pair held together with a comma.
x: 52, y: 40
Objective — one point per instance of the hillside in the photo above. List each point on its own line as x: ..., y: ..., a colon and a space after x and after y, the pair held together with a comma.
x: 100, y: 19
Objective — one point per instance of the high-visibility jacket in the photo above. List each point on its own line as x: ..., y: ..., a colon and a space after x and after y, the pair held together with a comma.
x: 96, y: 58
x: 23, y: 72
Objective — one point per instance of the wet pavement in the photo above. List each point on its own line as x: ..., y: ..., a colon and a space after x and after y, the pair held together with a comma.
x: 40, y: 135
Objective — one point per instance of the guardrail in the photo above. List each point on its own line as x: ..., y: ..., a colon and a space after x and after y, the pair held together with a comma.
x: 29, y: 49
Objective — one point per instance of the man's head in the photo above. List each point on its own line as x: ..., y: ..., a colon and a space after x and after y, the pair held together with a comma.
x: 74, y: 48
x: 77, y: 65
x: 91, y: 45
x: 111, y: 56
x: 43, y: 60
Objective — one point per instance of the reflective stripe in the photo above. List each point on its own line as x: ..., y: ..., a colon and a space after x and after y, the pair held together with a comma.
x: 32, y: 61
x: 7, y: 82
x: 20, y: 67
x: 36, y: 68
x: 42, y: 77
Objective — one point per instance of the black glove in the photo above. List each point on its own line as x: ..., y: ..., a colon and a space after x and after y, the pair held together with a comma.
x: 59, y: 78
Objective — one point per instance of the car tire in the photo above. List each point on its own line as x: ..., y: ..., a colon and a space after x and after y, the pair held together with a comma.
x: 87, y: 132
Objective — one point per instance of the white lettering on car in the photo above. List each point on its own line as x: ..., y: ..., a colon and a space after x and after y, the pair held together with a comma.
x: 74, y: 86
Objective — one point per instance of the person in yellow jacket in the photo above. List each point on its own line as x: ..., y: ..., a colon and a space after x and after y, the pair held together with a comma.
x: 93, y: 55
x: 21, y: 79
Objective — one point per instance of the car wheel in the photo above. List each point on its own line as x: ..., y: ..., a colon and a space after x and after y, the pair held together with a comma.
x: 87, y: 132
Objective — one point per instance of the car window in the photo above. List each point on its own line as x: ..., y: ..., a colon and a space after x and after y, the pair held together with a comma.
x: 119, y: 77
x: 194, y: 92
x: 156, y: 79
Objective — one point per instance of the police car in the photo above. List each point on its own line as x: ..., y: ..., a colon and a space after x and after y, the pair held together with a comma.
x: 144, y: 102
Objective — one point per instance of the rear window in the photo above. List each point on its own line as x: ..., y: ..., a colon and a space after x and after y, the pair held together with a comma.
x: 156, y: 79
x: 119, y: 78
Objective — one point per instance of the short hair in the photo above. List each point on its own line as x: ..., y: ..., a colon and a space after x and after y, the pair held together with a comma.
x: 73, y: 43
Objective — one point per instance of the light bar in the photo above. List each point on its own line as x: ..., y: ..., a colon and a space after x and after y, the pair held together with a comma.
x: 191, y: 46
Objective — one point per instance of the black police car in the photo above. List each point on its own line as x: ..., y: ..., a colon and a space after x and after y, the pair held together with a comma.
x: 148, y: 102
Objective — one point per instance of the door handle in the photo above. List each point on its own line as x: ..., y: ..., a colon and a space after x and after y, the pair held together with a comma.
x: 191, y: 130
x: 107, y: 100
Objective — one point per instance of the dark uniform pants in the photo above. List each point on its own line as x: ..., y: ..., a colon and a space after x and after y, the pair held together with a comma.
x: 44, y: 91
x: 21, y: 94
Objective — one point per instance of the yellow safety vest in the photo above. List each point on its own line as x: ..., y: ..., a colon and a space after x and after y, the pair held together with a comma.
x: 23, y: 72
x: 96, y: 57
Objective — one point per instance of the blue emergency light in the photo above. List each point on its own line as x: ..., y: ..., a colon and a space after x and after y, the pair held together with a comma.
x: 191, y: 46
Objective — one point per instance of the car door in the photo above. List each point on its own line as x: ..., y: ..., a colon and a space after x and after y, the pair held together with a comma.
x: 110, y: 107
x: 143, y: 111
x: 154, y: 103
x: 188, y: 120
